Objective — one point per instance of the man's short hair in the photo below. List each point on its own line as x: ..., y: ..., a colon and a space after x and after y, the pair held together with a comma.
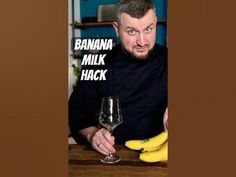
x: 134, y: 8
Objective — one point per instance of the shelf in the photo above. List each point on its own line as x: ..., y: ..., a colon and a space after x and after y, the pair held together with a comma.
x: 77, y: 24
x: 91, y: 24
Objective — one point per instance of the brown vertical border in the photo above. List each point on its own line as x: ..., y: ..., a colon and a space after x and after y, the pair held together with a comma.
x: 202, y: 88
x: 33, y: 94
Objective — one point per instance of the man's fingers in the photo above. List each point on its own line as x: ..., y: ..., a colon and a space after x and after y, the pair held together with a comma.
x: 103, y: 149
x: 109, y: 138
x: 107, y: 141
x: 107, y: 147
x: 100, y: 148
x: 103, y: 142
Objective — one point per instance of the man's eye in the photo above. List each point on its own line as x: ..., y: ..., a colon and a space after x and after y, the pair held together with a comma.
x: 131, y: 32
x: 148, y: 30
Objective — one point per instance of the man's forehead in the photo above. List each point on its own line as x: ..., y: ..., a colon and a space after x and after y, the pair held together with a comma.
x: 149, y: 17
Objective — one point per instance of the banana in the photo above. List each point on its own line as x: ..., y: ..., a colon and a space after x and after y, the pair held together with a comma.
x: 155, y: 156
x: 149, y: 143
x: 151, y: 149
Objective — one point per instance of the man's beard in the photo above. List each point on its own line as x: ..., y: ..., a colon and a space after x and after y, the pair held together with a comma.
x: 138, y: 57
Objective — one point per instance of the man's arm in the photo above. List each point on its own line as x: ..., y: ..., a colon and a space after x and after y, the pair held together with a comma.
x: 82, y: 109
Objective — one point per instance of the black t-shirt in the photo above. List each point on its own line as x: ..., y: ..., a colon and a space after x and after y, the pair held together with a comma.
x: 141, y: 86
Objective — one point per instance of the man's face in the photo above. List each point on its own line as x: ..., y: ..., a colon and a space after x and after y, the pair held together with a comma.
x: 138, y: 36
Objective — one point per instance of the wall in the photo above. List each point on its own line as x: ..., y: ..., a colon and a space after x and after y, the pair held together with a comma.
x: 89, y: 8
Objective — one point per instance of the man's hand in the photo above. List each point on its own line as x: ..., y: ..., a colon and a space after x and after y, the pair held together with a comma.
x: 165, y: 120
x: 100, y: 139
x: 103, y: 141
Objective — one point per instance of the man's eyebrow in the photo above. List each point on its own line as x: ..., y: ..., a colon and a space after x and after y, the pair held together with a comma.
x: 149, y: 25
x: 130, y: 27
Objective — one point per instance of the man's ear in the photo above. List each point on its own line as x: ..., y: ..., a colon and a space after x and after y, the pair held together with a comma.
x: 116, y: 27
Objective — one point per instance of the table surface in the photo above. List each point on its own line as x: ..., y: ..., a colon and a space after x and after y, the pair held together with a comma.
x: 85, y: 162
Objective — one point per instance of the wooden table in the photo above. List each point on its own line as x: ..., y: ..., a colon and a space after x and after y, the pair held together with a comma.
x: 85, y: 162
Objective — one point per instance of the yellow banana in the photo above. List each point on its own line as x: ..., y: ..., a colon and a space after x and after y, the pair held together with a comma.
x: 155, y: 156
x: 149, y: 143
x: 151, y: 149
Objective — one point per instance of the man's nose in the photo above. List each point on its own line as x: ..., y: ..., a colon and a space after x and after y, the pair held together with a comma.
x: 141, y: 39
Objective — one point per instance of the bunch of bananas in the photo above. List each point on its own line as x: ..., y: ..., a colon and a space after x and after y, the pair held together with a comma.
x: 153, y: 149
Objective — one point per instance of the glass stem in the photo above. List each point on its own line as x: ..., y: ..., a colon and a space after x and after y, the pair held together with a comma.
x: 110, y: 154
x: 111, y: 131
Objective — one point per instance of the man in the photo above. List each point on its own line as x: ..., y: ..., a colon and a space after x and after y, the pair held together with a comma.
x: 137, y: 74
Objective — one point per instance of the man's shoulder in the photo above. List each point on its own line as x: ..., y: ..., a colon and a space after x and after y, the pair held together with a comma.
x: 161, y: 53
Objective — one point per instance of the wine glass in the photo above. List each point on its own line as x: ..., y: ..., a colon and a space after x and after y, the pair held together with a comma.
x: 110, y: 117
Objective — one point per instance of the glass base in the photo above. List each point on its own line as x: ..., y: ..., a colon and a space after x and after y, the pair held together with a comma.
x: 112, y: 158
